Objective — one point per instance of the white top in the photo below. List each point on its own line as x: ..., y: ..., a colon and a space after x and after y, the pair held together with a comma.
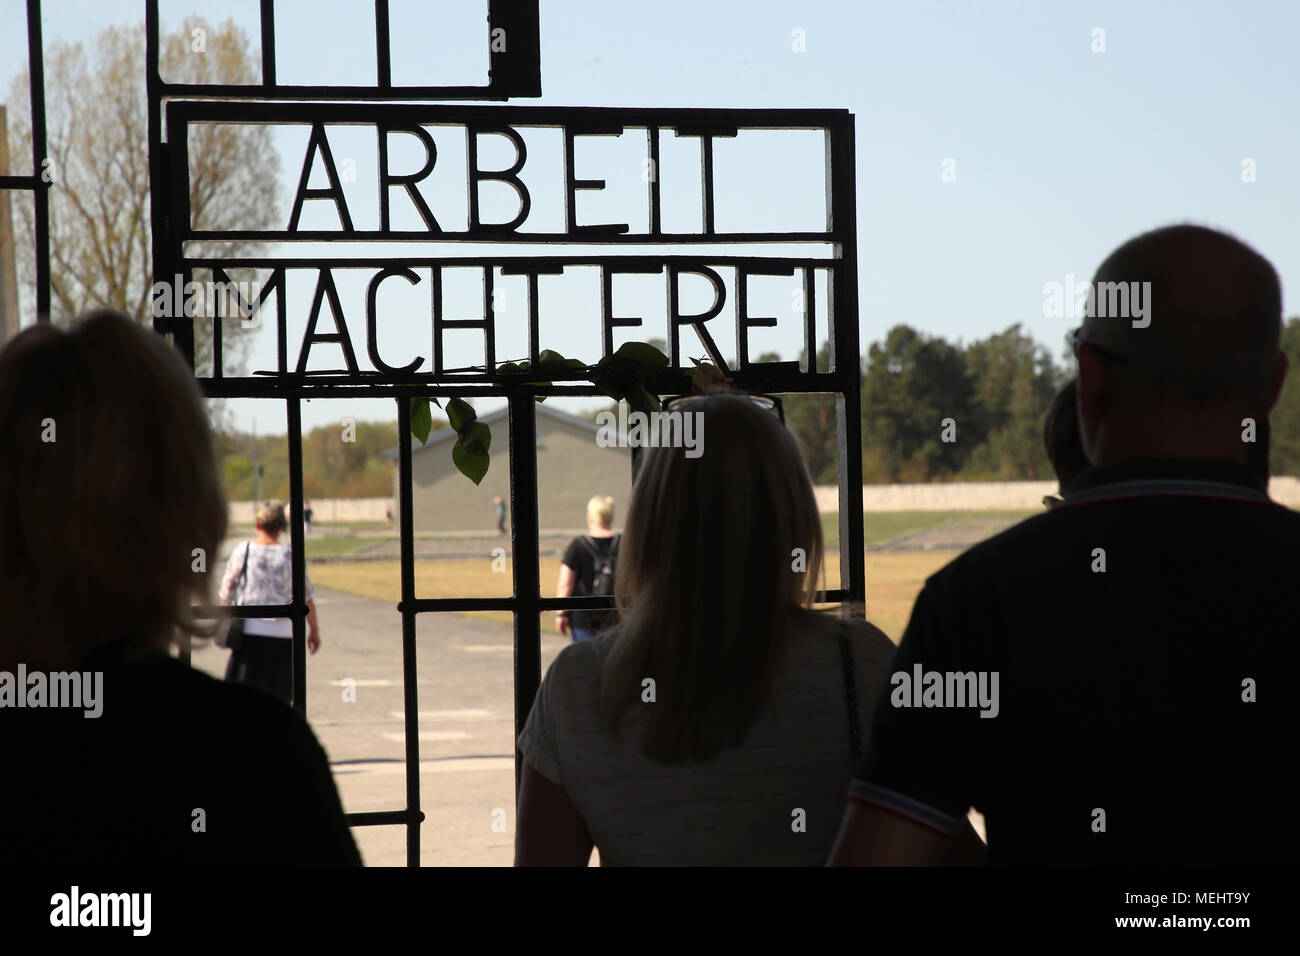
x: 269, y: 581
x: 742, y: 806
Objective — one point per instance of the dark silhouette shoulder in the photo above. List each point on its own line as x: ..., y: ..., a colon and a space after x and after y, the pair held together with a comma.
x: 178, y: 769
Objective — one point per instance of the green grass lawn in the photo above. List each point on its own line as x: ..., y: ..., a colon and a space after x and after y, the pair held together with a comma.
x: 880, y: 527
x: 893, y: 579
x: 333, y: 547
x: 884, y: 526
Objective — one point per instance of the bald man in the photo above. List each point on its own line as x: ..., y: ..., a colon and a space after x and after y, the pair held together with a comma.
x: 1111, y: 682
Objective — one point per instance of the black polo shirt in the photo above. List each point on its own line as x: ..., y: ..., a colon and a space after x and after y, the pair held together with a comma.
x: 1143, y: 637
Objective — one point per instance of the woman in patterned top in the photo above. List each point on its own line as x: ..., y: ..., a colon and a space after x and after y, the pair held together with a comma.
x: 261, y: 572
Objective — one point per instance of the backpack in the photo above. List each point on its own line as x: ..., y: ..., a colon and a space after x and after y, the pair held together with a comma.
x: 602, y: 583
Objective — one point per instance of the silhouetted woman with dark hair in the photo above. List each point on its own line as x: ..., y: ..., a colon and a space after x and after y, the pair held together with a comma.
x: 110, y: 511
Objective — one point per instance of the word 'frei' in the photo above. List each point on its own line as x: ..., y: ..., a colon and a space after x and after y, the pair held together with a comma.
x: 675, y: 429
x: 1120, y: 300
x: 36, y: 689
x: 74, y: 908
x: 228, y: 299
x: 922, y: 688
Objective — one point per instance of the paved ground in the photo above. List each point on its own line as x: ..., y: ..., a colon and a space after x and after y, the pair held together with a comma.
x: 466, y: 703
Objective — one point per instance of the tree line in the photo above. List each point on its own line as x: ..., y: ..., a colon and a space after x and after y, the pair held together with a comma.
x: 995, y: 390
x: 992, y: 394
x: 345, y: 460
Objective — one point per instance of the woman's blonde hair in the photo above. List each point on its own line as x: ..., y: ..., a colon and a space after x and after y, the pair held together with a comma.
x: 601, y: 507
x: 111, y: 510
x: 720, y: 553
x: 270, y: 518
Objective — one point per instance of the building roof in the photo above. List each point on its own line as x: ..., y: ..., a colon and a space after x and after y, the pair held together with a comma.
x: 491, y: 418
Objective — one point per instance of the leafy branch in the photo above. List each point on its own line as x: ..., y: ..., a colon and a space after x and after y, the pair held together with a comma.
x: 627, y: 375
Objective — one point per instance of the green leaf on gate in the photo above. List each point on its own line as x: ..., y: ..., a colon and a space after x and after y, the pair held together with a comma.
x: 629, y: 374
x: 470, y: 453
x: 626, y: 375
x: 639, y: 399
x: 421, y: 418
x: 643, y: 354
x: 460, y: 414
x: 550, y: 362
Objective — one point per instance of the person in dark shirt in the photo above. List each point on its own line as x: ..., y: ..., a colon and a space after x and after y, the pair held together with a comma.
x: 588, y: 568
x: 1109, y: 682
x: 111, y: 511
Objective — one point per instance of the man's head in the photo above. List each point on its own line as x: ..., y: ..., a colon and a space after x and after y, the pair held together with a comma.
x: 1181, y: 342
x: 600, y: 513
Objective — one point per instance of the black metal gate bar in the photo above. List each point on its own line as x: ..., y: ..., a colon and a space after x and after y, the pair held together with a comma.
x: 514, y: 70
x: 36, y: 182
x: 297, y: 553
x: 40, y: 188
x: 526, y: 548
x: 846, y: 361
x: 161, y: 198
x: 410, y: 698
x: 267, y: 20
x: 510, y: 76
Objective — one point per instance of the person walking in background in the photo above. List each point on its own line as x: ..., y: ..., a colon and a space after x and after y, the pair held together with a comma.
x: 716, y: 724
x: 261, y: 572
x: 306, y: 518
x: 109, y: 496
x: 588, y: 568
x: 501, y: 514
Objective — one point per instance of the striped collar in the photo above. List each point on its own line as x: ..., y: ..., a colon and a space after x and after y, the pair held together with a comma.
x: 1187, y: 479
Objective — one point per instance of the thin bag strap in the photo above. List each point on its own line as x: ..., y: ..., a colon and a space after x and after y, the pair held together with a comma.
x: 243, y: 572
x: 850, y: 690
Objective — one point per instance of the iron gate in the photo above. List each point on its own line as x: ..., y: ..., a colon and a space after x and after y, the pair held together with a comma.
x: 173, y: 107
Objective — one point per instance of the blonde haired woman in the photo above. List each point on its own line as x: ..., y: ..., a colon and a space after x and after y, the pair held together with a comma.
x: 716, y: 724
x: 260, y: 571
x: 589, y: 566
x: 110, y: 506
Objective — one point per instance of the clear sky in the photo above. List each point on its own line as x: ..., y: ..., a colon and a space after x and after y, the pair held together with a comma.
x: 1060, y: 151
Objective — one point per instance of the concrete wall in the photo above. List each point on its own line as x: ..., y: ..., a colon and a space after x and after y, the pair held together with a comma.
x: 571, y: 468
x: 987, y: 495
x: 325, y: 509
